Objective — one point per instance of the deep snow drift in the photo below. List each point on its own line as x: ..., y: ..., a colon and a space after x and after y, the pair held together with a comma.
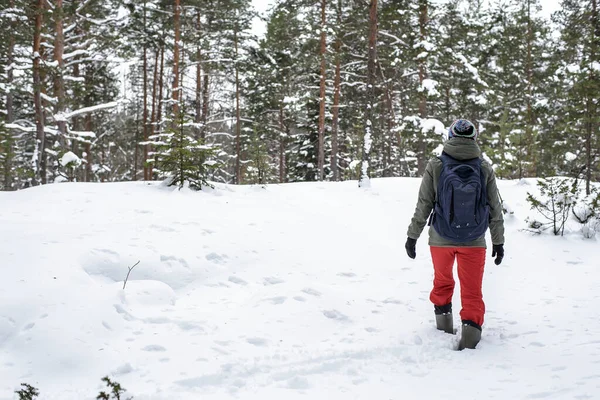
x: 283, y: 292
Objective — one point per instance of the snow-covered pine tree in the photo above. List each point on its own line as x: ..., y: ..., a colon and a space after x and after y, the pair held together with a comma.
x: 578, y: 71
x: 516, y: 72
x: 182, y: 158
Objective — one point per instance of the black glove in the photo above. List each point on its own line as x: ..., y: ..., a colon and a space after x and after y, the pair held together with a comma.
x: 498, y: 250
x: 411, y: 247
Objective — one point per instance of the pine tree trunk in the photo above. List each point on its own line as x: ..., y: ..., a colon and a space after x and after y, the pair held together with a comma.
x: 176, y: 89
x: 592, y: 106
x: 152, y: 126
x: 390, y: 126
x: 137, y: 142
x: 103, y: 161
x: 205, y: 92
x: 76, y: 123
x: 530, y: 117
x: 238, y: 127
x: 145, y: 104
x: 10, y: 112
x: 422, y: 146
x: 88, y: 149
x: 336, y: 98
x: 282, y: 137
x: 38, y: 9
x: 198, y: 116
x: 364, y: 180
x: 59, y: 88
x: 160, y: 97
x: 321, y: 155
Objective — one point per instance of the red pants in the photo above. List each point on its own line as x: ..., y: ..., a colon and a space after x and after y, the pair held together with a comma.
x: 471, y: 261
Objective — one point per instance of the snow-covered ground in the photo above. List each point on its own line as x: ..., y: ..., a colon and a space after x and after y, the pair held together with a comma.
x: 284, y: 292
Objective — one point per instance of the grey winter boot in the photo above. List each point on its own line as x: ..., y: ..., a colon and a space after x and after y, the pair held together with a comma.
x: 444, y: 322
x: 471, y: 335
x: 443, y: 318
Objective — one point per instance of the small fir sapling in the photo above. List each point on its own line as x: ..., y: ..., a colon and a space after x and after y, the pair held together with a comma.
x: 556, y: 200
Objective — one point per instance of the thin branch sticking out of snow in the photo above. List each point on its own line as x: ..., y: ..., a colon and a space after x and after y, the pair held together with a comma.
x: 129, y: 272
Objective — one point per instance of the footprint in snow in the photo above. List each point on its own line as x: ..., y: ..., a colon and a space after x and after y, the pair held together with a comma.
x: 256, y: 341
x: 270, y: 280
x: 276, y: 300
x: 168, y: 259
x: 299, y: 298
x: 335, y: 314
x: 347, y: 274
x: 154, y: 348
x: 107, y: 251
x: 312, y: 292
x: 392, y: 301
x: 217, y: 258
x: 143, y: 211
x: 237, y: 281
x: 123, y: 369
x: 29, y: 326
x: 163, y: 228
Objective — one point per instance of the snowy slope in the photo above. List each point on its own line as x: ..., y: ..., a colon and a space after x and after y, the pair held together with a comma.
x: 283, y: 292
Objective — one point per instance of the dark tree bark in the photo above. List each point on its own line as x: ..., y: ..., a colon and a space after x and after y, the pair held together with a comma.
x: 38, y: 9
x: 59, y: 85
x: 145, y: 103
x: 88, y: 150
x: 160, y: 95
x: 422, y: 146
x: 323, y: 51
x: 282, y: 137
x: 154, y: 101
x: 238, y: 126
x: 176, y: 88
x: 10, y: 112
x: 336, y: 98
x: 592, y: 107
x: 198, y: 116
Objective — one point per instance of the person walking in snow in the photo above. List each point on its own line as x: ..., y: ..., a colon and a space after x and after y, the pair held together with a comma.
x: 460, y: 198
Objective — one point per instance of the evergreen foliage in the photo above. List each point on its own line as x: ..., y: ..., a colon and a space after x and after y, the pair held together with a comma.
x: 183, y: 158
x: 253, y: 105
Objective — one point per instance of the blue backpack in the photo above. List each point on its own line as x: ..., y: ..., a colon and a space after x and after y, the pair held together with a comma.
x: 461, y: 211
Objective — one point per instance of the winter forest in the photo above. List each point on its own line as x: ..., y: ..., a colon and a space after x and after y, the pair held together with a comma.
x: 122, y: 90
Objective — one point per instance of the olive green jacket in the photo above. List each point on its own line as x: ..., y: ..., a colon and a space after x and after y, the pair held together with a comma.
x: 460, y: 149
